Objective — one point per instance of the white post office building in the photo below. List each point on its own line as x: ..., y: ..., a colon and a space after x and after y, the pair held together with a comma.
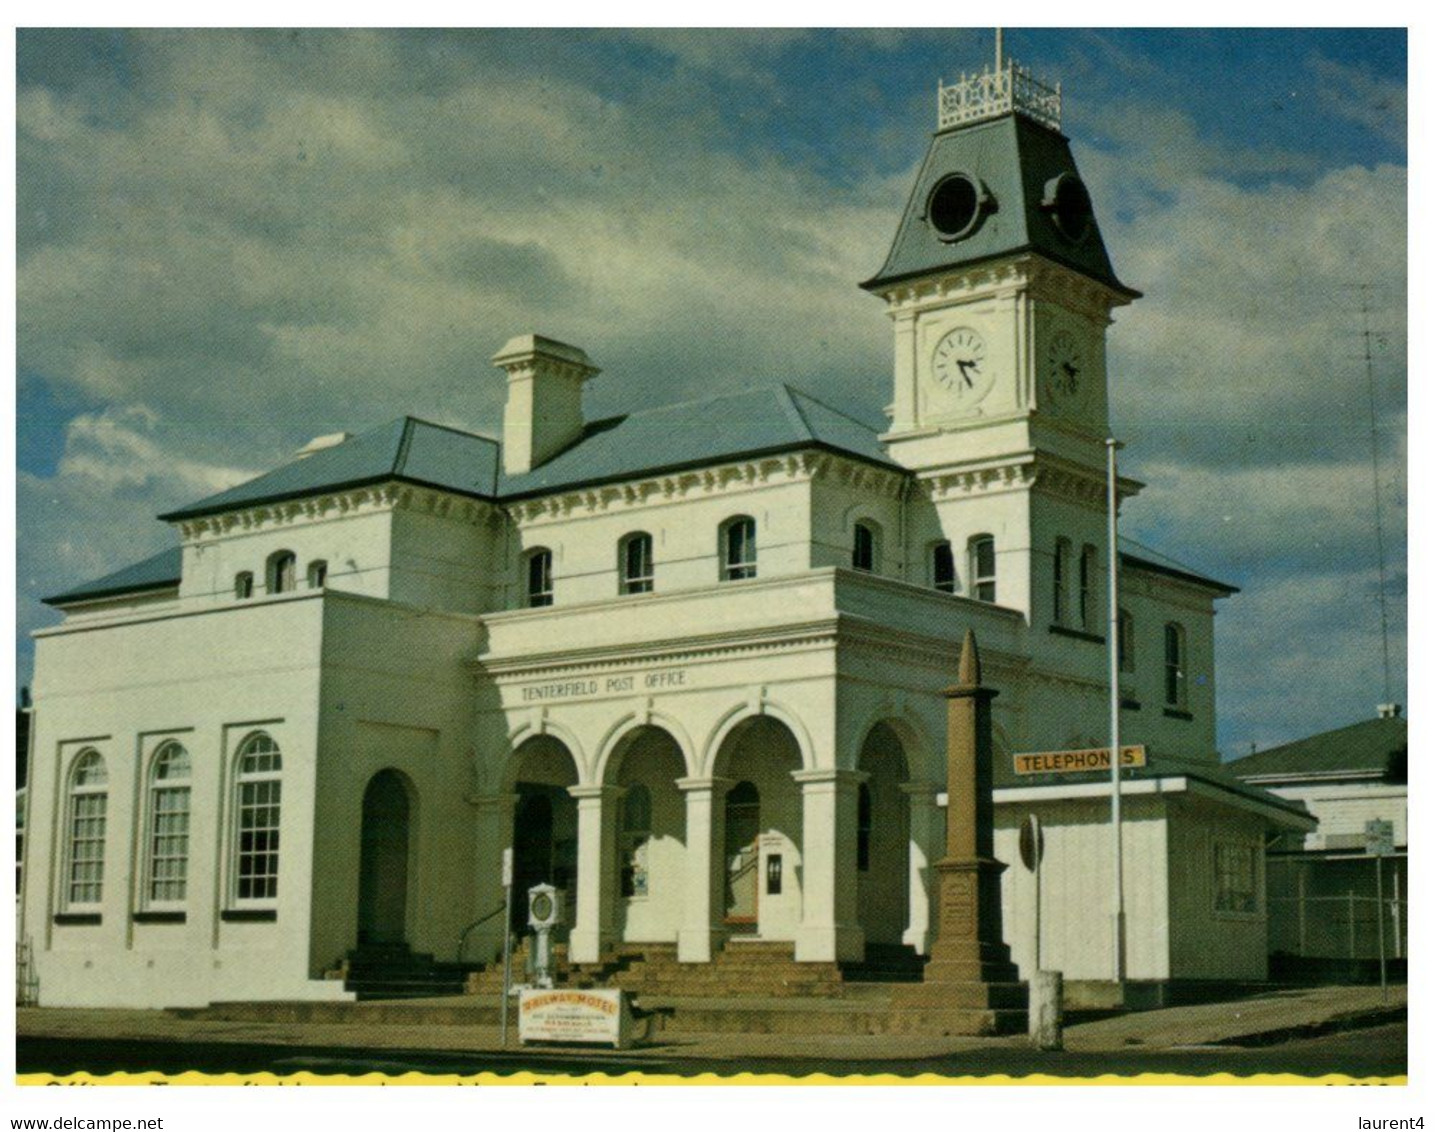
x: 687, y: 661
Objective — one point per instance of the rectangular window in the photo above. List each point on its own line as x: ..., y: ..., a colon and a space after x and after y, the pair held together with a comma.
x: 774, y: 874
x: 1059, y: 570
x: 257, y: 866
x: 1236, y: 867
x: 87, y: 848
x: 169, y: 844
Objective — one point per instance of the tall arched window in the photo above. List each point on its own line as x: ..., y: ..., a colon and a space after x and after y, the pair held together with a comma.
x: 944, y: 568
x: 982, y: 567
x: 635, y: 564
x: 279, y: 574
x: 1086, y: 588
x: 167, y: 865
x: 538, y: 570
x: 1060, y: 579
x: 865, y: 547
x: 737, y: 548
x: 318, y: 574
x: 1126, y: 641
x: 256, y: 819
x: 243, y: 585
x: 85, y: 847
x: 1175, y: 665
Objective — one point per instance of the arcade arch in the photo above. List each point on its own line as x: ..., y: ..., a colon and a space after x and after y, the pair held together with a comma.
x: 883, y: 837
x: 650, y: 829
x: 545, y: 820
x: 762, y: 829
x: 386, y: 859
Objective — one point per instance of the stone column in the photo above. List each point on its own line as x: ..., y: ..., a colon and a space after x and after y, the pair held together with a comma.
x: 925, y: 840
x: 493, y: 833
x: 597, y: 868
x: 970, y: 985
x: 829, y: 930
x: 700, y: 933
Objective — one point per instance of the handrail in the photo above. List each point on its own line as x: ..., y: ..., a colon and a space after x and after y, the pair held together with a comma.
x: 463, y: 936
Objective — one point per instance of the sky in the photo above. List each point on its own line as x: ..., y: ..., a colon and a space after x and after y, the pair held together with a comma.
x: 229, y: 242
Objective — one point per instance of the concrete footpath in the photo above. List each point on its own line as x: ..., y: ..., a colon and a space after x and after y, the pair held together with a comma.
x: 1275, y: 1016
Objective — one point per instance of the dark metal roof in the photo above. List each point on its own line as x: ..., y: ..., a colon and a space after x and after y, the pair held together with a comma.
x: 1362, y: 749
x: 771, y: 419
x: 157, y: 572
x: 1014, y: 159
x: 1144, y: 558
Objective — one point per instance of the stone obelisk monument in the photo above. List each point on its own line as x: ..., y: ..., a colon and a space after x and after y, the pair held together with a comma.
x: 970, y: 985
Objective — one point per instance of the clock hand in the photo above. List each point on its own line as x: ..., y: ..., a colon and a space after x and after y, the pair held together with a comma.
x: 966, y: 366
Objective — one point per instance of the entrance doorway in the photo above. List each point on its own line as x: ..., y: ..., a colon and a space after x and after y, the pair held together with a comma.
x: 384, y: 861
x: 744, y: 821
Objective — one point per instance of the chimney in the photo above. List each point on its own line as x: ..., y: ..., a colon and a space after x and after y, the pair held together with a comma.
x: 544, y: 412
x: 1387, y: 711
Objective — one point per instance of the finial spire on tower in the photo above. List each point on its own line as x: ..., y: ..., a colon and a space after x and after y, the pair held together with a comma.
x: 999, y: 48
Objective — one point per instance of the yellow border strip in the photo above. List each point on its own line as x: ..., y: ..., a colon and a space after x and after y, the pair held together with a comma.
x: 635, y: 1078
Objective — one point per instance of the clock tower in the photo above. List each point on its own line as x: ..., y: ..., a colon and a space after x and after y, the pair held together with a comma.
x: 999, y: 286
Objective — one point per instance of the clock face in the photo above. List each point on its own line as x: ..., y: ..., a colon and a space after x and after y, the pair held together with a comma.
x: 542, y: 908
x: 959, y: 366
x: 1065, y: 369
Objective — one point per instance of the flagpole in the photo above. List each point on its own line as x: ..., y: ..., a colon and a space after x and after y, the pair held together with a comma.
x: 1113, y: 642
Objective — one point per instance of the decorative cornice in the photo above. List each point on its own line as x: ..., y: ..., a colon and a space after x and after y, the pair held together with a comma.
x: 676, y: 487
x: 392, y: 495
x: 1007, y: 276
x: 673, y: 650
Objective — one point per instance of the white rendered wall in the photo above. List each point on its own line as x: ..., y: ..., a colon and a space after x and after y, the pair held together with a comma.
x: 207, y: 681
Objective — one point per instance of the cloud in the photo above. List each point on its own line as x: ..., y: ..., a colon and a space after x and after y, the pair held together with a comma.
x: 1351, y: 93
x: 266, y: 236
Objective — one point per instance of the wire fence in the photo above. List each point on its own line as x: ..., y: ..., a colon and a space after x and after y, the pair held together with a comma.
x: 1349, y: 926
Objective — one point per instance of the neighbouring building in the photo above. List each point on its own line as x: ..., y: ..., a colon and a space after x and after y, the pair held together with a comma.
x: 1327, y: 915
x: 687, y: 661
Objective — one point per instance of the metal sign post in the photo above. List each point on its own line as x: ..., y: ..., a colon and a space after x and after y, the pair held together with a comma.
x: 1380, y: 843
x: 507, y: 945
x: 1032, y: 846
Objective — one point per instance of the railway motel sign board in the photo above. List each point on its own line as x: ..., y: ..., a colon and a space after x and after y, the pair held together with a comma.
x: 1080, y: 761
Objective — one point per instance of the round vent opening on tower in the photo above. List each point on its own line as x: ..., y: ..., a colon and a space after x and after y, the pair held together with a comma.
x: 956, y: 205
x: 1067, y: 202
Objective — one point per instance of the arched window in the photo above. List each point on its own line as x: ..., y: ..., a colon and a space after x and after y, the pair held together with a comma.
x: 866, y: 547
x: 167, y: 865
x: 85, y: 847
x: 1126, y: 640
x: 1175, y: 665
x: 279, y: 576
x: 737, y: 548
x: 982, y: 567
x: 256, y: 819
x: 944, y: 568
x: 318, y: 574
x: 538, y: 569
x: 1060, y: 579
x: 243, y: 585
x: 1086, y: 587
x: 864, y: 827
x: 635, y: 564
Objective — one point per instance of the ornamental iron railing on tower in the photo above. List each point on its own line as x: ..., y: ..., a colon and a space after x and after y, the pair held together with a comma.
x: 1008, y: 88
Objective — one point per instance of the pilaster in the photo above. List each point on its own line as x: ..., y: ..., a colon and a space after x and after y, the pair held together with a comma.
x: 597, y: 867
x: 830, y: 930
x: 700, y: 933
